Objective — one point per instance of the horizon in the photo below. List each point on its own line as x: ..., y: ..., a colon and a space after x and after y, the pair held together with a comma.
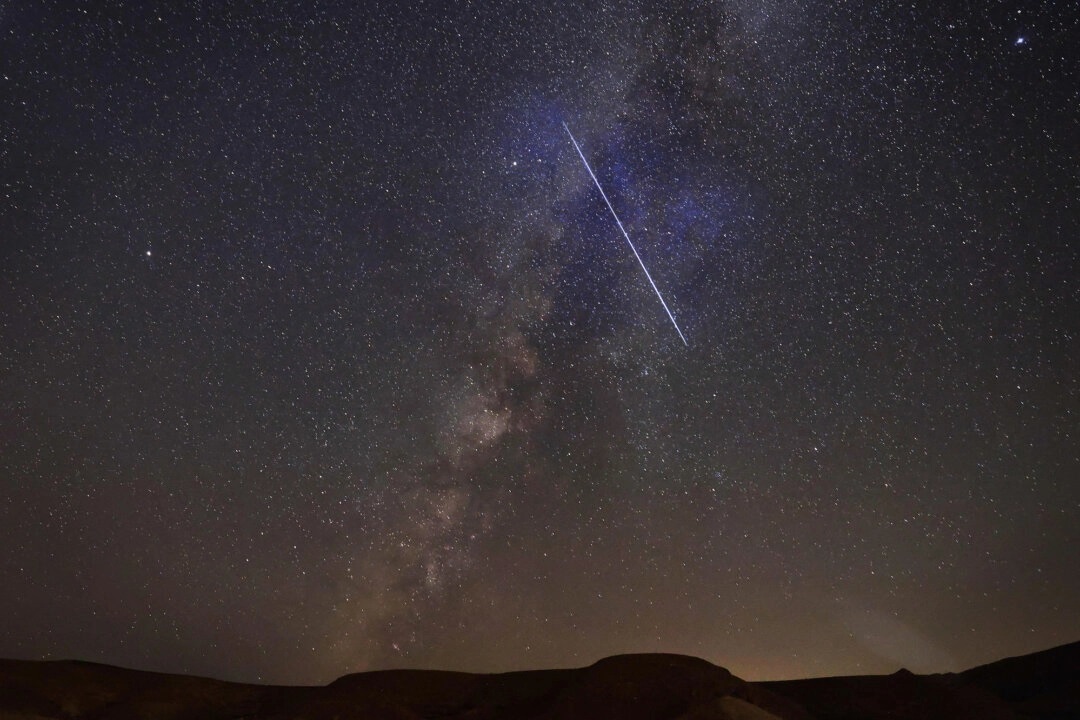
x: 540, y: 669
x: 543, y: 669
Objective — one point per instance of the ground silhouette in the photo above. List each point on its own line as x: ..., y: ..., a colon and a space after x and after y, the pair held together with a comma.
x: 1041, y: 686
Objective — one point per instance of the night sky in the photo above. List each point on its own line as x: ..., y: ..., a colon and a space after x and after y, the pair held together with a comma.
x: 320, y: 351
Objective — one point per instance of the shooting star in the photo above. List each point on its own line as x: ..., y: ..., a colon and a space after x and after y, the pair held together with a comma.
x: 625, y: 234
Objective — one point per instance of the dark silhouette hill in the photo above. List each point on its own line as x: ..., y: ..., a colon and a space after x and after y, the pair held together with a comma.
x: 629, y: 687
x: 1044, y: 685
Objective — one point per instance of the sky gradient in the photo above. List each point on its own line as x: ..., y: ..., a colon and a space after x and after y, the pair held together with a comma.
x: 320, y: 351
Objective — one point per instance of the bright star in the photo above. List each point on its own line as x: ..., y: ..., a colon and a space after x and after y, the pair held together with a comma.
x: 1021, y: 40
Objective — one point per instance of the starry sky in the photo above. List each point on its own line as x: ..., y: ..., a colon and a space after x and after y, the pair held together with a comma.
x: 320, y: 351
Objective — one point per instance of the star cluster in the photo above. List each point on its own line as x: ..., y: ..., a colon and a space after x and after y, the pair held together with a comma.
x: 320, y: 352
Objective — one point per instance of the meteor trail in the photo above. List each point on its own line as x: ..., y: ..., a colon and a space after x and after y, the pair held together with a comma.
x: 625, y: 234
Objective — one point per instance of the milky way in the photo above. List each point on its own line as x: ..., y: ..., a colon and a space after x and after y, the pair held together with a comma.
x: 315, y: 356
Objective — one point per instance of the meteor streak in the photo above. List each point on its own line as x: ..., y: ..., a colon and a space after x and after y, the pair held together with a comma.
x: 625, y: 234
